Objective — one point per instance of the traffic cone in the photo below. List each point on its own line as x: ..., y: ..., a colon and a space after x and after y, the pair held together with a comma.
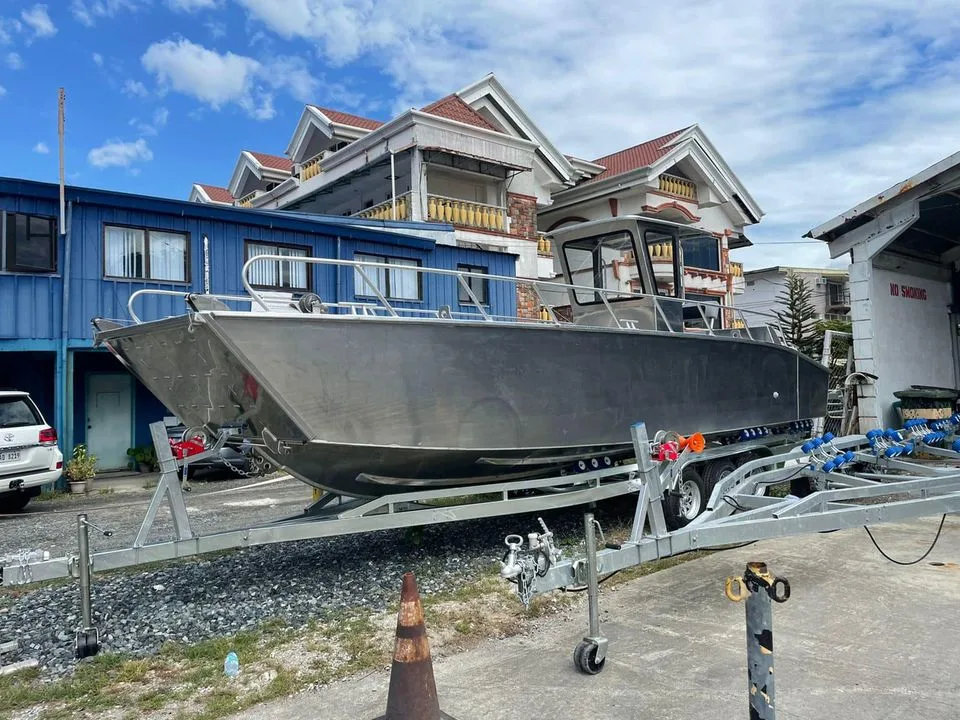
x: 413, y: 690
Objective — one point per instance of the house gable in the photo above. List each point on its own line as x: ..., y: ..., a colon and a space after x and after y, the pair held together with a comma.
x: 321, y: 129
x: 212, y: 194
x: 253, y: 169
x: 687, y: 154
x: 491, y: 100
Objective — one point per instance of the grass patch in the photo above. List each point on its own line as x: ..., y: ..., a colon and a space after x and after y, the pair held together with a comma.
x: 53, y: 494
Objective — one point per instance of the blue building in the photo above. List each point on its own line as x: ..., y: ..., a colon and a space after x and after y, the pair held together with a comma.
x: 54, y: 279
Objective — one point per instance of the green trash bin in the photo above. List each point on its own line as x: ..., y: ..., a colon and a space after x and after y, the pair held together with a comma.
x: 927, y: 402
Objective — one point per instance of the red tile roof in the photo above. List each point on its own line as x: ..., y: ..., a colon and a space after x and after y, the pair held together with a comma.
x: 638, y: 156
x: 453, y: 108
x: 216, y: 193
x: 347, y: 119
x: 275, y: 162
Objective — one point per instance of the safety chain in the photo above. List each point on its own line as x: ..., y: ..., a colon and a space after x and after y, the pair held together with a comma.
x: 757, y: 578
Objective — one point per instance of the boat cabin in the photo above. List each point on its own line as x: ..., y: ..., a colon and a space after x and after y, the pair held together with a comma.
x: 629, y: 271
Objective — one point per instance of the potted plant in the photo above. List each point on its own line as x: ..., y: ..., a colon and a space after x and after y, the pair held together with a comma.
x: 80, y: 469
x: 144, y: 457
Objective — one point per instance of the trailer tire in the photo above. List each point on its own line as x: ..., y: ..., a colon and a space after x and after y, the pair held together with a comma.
x: 715, y: 471
x: 686, y: 502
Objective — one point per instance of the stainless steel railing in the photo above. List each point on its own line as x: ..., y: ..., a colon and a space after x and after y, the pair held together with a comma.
x: 731, y: 317
x: 396, y: 310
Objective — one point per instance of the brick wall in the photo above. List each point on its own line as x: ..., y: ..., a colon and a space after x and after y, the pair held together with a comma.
x: 523, y: 215
x: 528, y: 304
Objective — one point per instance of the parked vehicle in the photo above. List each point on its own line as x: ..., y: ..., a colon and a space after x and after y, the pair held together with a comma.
x: 29, y: 456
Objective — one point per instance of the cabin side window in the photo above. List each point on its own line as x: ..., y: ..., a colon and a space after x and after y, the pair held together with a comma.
x: 606, y: 262
x: 665, y: 259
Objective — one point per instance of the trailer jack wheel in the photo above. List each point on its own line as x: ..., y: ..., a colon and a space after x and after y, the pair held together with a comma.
x: 585, y: 657
x: 88, y: 643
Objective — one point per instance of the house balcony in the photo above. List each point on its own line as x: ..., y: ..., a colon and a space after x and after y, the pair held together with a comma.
x: 309, y: 168
x: 466, y: 214
x: 247, y: 200
x: 679, y: 187
x: 736, y: 272
x: 385, y: 210
x: 838, y: 298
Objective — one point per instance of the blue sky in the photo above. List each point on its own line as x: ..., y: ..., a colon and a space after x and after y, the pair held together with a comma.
x: 815, y: 104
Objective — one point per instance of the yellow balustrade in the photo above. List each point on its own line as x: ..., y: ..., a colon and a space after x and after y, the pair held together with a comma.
x: 679, y: 186
x: 465, y: 213
x: 311, y: 168
x: 384, y: 210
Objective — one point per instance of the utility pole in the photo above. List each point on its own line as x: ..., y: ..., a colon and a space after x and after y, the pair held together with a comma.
x: 61, y: 101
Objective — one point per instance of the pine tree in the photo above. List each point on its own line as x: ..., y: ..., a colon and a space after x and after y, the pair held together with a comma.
x: 798, y: 317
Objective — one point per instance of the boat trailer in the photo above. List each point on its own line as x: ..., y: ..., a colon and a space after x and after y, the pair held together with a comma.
x: 847, y: 482
x: 838, y: 472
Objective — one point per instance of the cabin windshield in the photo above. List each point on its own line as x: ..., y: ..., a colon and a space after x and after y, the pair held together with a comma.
x: 604, y: 261
x: 665, y: 258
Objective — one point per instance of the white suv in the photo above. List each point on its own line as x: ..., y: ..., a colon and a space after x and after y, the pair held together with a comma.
x: 29, y: 456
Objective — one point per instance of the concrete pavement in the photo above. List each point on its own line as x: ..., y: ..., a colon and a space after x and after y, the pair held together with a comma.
x: 860, y: 637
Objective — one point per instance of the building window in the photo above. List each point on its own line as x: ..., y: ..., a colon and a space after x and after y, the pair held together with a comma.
x: 479, y: 286
x: 278, y: 274
x: 140, y: 254
x: 30, y: 243
x: 701, y: 252
x: 394, y: 284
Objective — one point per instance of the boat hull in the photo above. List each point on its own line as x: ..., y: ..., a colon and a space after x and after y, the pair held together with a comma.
x: 372, y: 406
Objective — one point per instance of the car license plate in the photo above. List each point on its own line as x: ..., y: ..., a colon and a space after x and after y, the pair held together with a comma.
x: 9, y: 456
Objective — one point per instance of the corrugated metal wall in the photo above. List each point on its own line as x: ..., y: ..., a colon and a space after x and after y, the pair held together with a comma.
x: 30, y: 304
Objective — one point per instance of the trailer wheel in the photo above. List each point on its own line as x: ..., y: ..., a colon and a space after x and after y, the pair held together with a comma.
x: 585, y: 658
x: 686, y: 502
x: 714, y: 472
x: 750, y: 457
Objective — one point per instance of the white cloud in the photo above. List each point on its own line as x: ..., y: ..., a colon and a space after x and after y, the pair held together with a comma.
x: 205, y: 74
x: 41, y: 147
x: 88, y: 11
x: 217, y: 29
x: 14, y: 61
x: 221, y: 79
x: 193, y: 5
x: 160, y: 117
x: 115, y: 153
x: 98, y: 59
x: 135, y: 88
x: 3, y: 91
x: 39, y: 21
x: 815, y: 104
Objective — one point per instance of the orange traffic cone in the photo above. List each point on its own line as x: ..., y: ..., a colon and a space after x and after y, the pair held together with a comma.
x: 413, y: 690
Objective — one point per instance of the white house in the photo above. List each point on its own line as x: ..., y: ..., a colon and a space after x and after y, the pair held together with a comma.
x: 829, y: 290
x: 904, y: 244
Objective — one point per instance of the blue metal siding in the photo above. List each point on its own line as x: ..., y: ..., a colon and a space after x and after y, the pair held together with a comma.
x: 440, y: 289
x: 30, y: 303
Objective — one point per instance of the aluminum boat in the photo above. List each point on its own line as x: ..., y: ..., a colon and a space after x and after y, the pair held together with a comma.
x: 371, y: 399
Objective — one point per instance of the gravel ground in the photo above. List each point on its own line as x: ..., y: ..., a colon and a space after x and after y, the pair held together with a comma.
x: 199, y: 599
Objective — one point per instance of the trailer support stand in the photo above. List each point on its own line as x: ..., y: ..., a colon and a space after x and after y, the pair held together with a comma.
x: 591, y: 653
x: 168, y: 487
x: 759, y: 588
x: 88, y: 637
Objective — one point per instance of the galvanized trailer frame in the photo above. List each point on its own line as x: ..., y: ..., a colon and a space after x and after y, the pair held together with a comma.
x: 333, y: 515
x: 736, y: 514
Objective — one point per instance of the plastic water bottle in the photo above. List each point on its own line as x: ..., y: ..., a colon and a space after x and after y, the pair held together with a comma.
x: 231, y: 666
